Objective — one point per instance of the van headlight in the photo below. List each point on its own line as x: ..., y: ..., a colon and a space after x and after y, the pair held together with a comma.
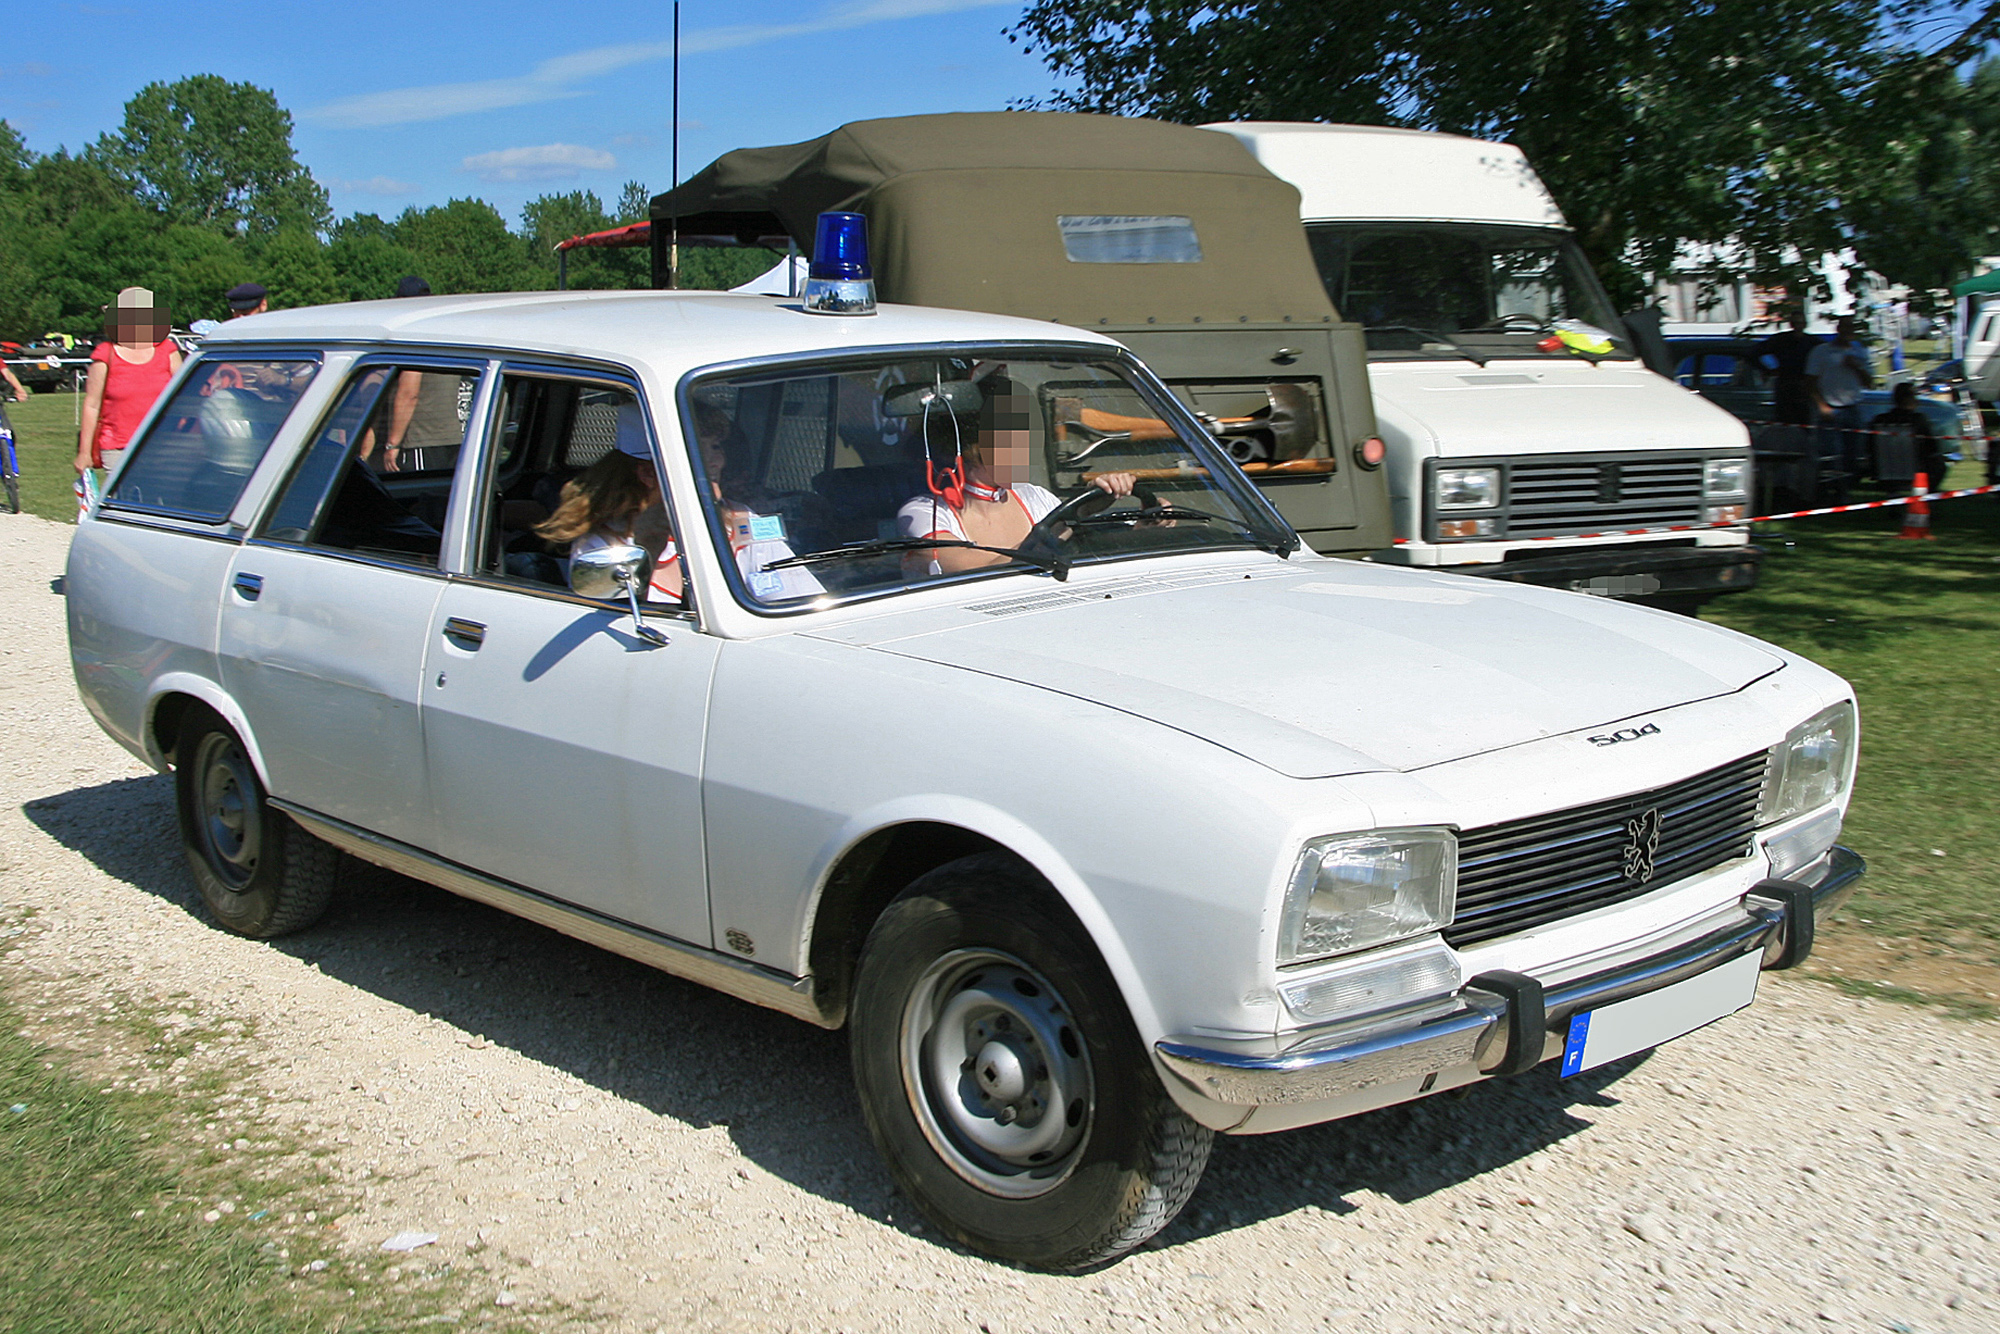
x: 1726, y: 477
x: 1811, y: 767
x: 1351, y: 891
x: 1466, y: 488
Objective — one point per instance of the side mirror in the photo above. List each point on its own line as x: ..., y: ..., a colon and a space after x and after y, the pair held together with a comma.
x: 616, y: 571
x: 607, y: 571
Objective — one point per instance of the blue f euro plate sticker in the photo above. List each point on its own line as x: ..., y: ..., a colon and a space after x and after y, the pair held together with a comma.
x: 767, y: 528
x: 1605, y: 1034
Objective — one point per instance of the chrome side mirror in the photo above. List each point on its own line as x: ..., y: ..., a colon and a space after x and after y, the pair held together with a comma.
x: 615, y: 571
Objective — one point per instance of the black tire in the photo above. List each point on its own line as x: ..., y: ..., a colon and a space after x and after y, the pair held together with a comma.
x: 260, y: 874
x: 1052, y: 1143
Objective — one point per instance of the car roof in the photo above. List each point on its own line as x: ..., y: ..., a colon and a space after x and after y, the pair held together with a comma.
x: 672, y: 332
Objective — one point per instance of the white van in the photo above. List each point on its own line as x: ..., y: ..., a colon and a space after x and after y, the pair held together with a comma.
x: 1512, y: 452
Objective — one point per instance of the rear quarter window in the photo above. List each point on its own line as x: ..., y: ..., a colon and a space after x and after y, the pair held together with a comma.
x: 200, y: 452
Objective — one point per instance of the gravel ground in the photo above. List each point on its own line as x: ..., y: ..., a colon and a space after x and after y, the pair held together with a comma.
x: 673, y: 1159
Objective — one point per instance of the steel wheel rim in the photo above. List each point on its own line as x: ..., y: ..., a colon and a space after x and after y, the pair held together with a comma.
x: 226, y: 815
x: 997, y: 1072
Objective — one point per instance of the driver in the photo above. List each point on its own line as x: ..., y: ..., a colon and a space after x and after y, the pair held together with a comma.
x: 984, y: 494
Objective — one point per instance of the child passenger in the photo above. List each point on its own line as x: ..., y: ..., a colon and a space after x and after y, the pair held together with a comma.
x: 616, y: 502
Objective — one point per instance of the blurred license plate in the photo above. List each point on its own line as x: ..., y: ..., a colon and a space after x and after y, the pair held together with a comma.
x: 1597, y: 1036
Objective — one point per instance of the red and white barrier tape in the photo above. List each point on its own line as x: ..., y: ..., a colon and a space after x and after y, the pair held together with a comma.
x: 1738, y: 523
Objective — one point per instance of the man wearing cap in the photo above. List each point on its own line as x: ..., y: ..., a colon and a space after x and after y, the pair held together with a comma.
x: 247, y: 299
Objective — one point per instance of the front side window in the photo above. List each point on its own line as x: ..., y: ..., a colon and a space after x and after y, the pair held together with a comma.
x: 880, y: 474
x: 200, y: 453
x: 345, y: 495
x: 1459, y: 289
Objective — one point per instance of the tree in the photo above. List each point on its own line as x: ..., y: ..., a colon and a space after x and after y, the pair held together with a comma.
x: 464, y: 246
x: 555, y: 218
x: 216, y: 154
x: 366, y: 260
x: 1654, y: 122
x: 635, y: 203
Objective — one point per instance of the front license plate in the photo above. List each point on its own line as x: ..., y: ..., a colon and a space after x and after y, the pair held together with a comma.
x: 1597, y: 1036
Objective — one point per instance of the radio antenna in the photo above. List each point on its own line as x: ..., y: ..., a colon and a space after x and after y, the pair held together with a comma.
x: 674, y: 158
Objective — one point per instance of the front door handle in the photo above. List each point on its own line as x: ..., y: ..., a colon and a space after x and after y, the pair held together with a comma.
x: 249, y: 586
x: 468, y: 635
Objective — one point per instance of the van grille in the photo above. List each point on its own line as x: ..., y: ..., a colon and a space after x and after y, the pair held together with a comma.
x: 1554, y: 496
x: 1529, y: 872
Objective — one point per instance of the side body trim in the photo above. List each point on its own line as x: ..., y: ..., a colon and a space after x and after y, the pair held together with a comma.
x: 733, y: 977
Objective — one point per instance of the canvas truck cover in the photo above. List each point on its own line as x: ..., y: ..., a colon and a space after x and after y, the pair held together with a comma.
x: 1044, y: 215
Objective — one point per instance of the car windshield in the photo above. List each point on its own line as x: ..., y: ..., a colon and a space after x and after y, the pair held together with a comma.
x: 1460, y: 289
x: 883, y: 473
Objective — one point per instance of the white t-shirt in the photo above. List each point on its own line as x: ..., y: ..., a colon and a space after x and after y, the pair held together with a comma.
x: 1843, y: 372
x: 932, y: 516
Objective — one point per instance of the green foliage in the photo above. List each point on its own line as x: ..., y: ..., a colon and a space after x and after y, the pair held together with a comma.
x: 214, y: 153
x: 717, y: 269
x: 1783, y: 130
x: 200, y: 190
x: 464, y: 246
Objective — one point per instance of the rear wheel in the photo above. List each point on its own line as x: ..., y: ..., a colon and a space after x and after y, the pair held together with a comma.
x: 260, y: 874
x: 1002, y: 1079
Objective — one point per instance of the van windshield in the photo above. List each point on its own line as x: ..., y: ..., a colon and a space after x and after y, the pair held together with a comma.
x: 1460, y: 289
x: 879, y: 473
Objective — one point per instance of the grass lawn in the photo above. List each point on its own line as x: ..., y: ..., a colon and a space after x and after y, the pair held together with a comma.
x: 1916, y: 627
x: 45, y: 435
x: 119, y: 1214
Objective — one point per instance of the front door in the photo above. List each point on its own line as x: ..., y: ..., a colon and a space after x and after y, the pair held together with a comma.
x: 564, y: 751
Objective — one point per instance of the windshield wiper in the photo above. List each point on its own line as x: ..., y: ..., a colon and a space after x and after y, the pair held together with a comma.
x: 1433, y: 334
x: 1172, y: 513
x: 1050, y: 563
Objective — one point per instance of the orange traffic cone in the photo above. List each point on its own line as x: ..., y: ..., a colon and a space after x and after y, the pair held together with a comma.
x: 1917, y: 514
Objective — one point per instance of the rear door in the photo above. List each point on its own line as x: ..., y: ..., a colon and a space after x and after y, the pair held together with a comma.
x: 325, y: 613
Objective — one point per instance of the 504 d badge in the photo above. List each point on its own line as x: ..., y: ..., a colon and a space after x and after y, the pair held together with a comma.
x: 1642, y: 846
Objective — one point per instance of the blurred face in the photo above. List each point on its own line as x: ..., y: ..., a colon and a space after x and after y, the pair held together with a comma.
x: 648, y: 479
x: 1006, y: 439
x: 1844, y: 329
x: 139, y: 326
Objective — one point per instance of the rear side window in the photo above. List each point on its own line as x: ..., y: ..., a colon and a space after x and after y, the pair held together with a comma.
x: 201, y: 451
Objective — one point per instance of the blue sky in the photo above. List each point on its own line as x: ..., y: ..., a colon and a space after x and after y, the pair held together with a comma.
x: 397, y: 104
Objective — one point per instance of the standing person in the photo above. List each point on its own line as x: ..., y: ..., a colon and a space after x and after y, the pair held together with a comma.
x: 127, y: 376
x: 247, y: 299
x: 10, y: 465
x: 1905, y: 418
x: 1837, y: 374
x: 429, y: 412
x: 1787, y: 351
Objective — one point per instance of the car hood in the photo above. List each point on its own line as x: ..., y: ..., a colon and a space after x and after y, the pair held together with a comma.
x: 1333, y: 667
x: 1463, y: 410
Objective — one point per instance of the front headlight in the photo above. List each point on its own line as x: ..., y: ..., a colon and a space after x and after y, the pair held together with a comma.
x: 1811, y: 767
x: 1467, y: 488
x: 1726, y: 477
x: 1351, y: 891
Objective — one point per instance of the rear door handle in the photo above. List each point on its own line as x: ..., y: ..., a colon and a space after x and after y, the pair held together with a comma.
x: 468, y: 635
x: 249, y: 586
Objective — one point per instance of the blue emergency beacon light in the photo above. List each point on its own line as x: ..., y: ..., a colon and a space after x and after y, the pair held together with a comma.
x: 840, y: 281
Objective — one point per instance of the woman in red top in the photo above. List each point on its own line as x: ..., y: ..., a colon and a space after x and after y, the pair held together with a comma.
x: 127, y: 376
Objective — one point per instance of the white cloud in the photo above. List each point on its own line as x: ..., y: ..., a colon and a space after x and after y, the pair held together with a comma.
x: 555, y: 79
x: 544, y: 162
x: 374, y: 185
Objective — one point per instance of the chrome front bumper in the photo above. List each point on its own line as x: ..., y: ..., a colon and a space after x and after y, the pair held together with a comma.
x: 1505, y: 1022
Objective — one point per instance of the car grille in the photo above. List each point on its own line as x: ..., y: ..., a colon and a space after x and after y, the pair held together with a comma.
x: 1527, y: 872
x: 1549, y: 497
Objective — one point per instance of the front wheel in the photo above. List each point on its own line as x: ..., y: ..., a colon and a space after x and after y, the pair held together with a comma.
x: 260, y: 874
x: 1002, y: 1079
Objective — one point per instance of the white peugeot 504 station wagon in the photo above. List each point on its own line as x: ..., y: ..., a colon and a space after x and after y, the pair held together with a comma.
x: 936, y: 675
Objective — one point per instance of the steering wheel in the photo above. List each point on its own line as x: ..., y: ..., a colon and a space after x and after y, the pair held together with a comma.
x: 1091, y: 500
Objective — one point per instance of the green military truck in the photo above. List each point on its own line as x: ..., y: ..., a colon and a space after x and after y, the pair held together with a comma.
x: 1175, y: 241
